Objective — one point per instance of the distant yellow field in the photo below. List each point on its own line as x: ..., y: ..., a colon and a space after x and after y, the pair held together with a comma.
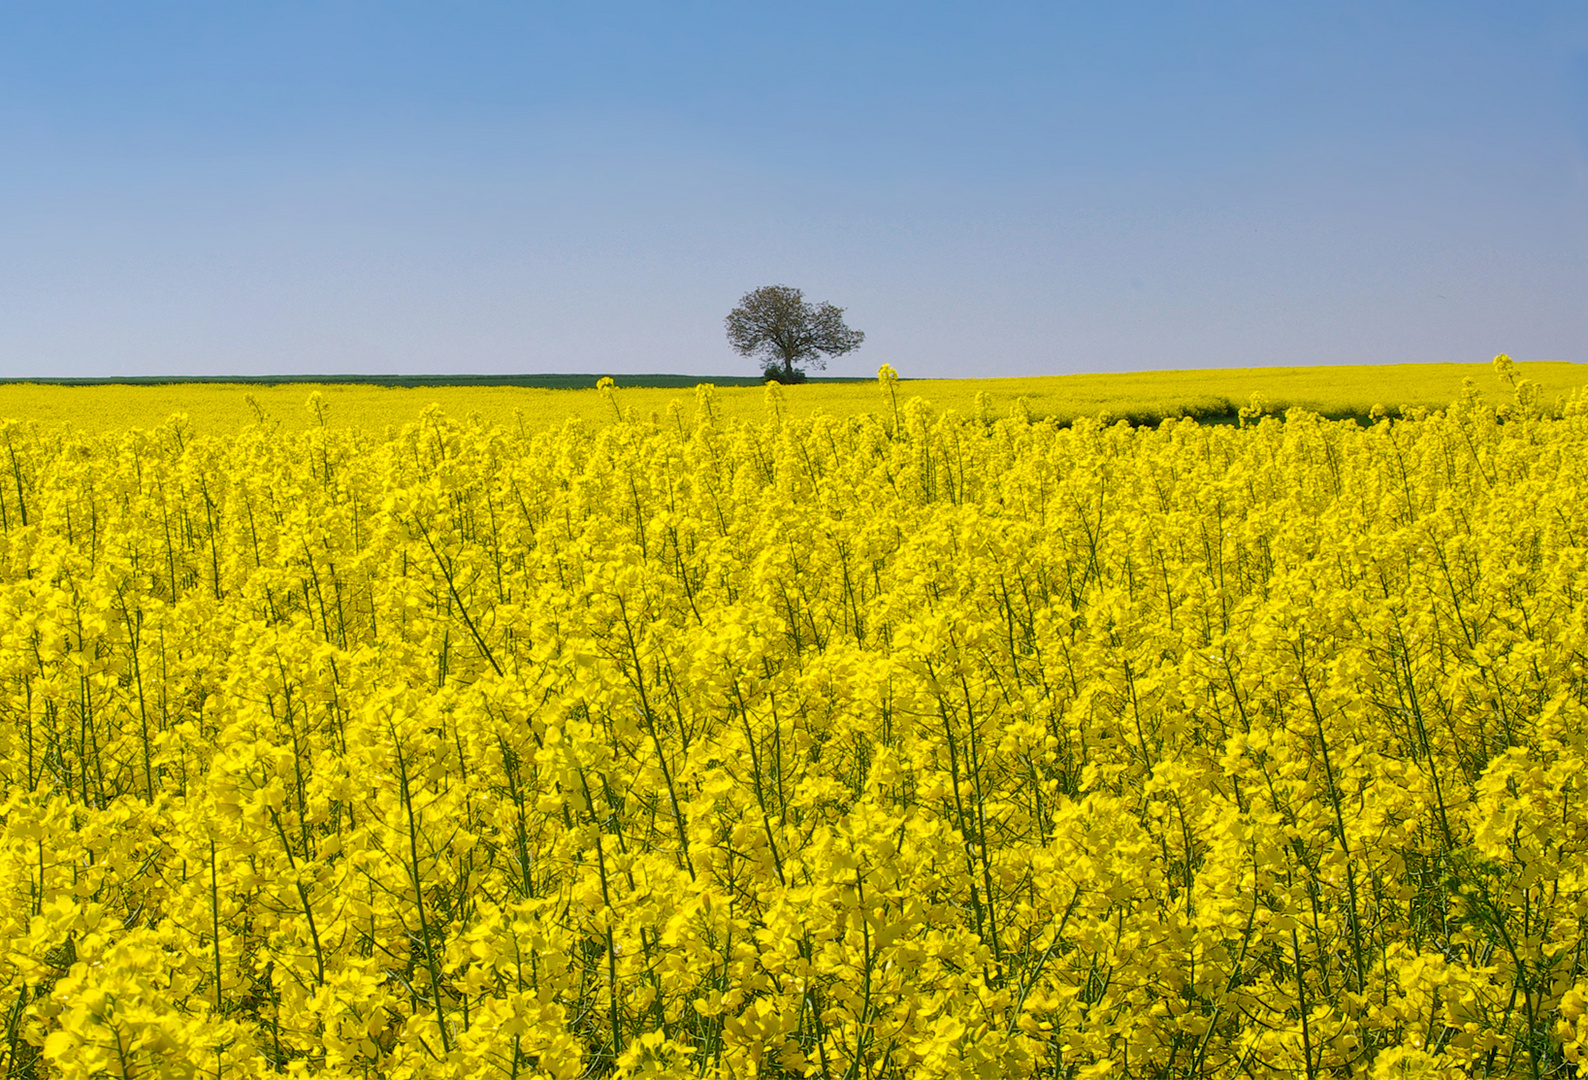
x: 1140, y: 396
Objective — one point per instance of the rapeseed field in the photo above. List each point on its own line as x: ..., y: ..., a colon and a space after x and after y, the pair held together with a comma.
x: 1141, y: 397
x: 906, y: 743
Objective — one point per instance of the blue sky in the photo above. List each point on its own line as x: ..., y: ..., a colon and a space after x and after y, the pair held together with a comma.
x: 988, y: 189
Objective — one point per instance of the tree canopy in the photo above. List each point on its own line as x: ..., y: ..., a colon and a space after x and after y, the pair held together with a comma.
x: 775, y: 325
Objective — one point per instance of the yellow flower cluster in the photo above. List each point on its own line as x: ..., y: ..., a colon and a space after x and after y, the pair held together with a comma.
x: 911, y: 746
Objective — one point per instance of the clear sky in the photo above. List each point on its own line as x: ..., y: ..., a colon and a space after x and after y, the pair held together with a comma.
x: 988, y: 188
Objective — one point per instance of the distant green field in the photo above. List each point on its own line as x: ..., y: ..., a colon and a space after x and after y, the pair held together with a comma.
x: 418, y: 382
x: 539, y: 401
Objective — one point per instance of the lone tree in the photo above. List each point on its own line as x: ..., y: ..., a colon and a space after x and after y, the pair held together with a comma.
x: 775, y: 325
